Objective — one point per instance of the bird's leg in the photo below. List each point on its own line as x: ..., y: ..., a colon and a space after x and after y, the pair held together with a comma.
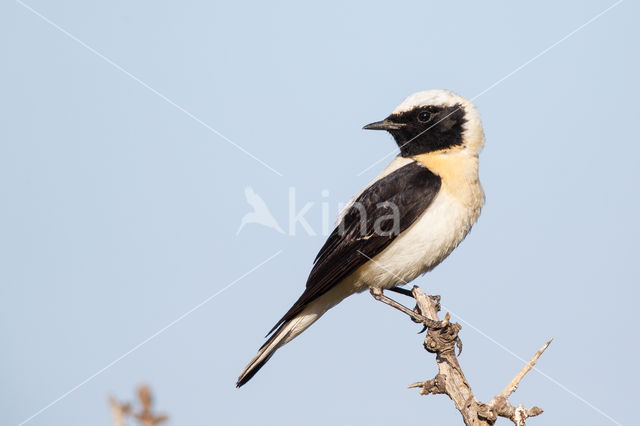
x: 401, y: 290
x: 378, y: 295
x: 409, y: 293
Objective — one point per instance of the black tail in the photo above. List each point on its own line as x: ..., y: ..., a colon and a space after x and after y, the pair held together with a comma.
x: 265, y: 352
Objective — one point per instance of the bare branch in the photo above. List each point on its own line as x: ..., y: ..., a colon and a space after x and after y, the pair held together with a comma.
x: 146, y: 416
x: 442, y: 340
x: 120, y: 412
x: 513, y: 385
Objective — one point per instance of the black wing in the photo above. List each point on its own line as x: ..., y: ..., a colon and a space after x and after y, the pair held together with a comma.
x: 368, y: 228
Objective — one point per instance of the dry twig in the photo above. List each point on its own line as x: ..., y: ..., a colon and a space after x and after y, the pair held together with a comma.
x: 442, y: 341
x: 120, y: 412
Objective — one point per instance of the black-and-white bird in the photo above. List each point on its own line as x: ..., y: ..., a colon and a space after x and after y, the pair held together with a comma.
x: 402, y: 224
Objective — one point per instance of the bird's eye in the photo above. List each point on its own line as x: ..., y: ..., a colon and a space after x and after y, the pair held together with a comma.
x: 424, y: 116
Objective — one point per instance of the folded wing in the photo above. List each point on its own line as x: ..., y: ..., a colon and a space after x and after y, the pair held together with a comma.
x: 379, y: 214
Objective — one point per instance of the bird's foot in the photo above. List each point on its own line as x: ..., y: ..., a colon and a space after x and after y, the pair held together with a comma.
x: 378, y: 294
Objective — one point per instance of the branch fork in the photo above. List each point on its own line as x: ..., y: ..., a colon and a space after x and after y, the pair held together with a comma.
x: 442, y: 339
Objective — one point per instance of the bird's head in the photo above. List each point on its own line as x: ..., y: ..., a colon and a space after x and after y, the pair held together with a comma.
x: 434, y: 120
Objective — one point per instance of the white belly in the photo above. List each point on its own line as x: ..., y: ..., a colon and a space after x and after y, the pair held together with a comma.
x: 420, y: 247
x: 415, y: 251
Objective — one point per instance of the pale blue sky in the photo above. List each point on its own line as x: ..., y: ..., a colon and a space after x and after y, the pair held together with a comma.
x: 120, y: 211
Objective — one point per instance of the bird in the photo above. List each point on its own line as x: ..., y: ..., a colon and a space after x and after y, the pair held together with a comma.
x: 403, y: 223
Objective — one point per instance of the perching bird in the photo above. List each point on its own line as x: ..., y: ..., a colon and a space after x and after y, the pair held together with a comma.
x: 402, y: 224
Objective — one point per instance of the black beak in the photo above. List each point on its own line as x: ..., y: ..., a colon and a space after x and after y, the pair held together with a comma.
x: 384, y: 125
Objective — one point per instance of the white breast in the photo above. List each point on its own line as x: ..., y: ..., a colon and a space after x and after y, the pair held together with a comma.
x: 422, y: 246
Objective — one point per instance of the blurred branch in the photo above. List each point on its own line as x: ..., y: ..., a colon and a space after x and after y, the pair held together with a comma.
x: 442, y: 339
x: 121, y: 412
